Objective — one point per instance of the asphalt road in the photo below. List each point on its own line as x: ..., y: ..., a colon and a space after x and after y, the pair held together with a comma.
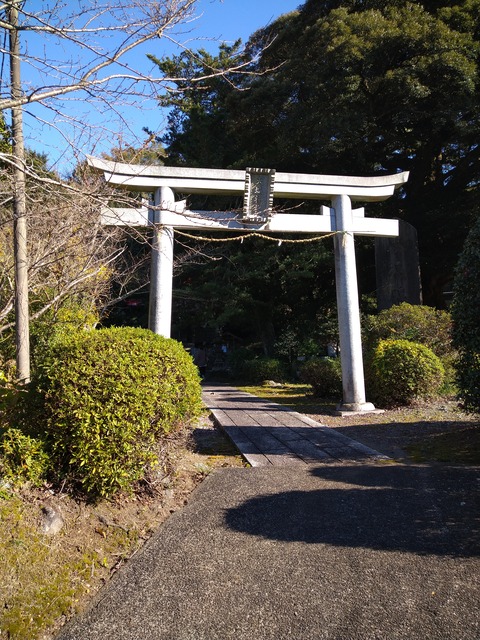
x: 334, y: 551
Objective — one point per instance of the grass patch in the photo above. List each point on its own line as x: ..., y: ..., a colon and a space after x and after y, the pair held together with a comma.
x: 297, y: 396
x: 460, y: 447
x: 289, y: 394
x: 40, y: 583
x: 286, y: 391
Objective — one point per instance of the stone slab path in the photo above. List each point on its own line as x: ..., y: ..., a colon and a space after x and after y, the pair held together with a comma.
x: 269, y: 434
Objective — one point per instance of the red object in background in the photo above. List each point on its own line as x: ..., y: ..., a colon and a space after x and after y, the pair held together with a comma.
x: 133, y: 302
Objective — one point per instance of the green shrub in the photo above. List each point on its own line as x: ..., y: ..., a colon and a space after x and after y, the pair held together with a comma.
x: 260, y: 369
x: 23, y: 458
x: 466, y: 314
x: 290, y: 345
x: 401, y: 371
x: 57, y: 323
x: 104, y: 397
x: 325, y: 376
x: 416, y: 323
x: 9, y: 390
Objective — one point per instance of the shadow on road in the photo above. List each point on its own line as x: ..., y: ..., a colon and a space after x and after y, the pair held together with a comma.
x: 417, y: 509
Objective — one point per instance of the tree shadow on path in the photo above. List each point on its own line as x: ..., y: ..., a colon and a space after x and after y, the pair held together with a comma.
x: 417, y: 509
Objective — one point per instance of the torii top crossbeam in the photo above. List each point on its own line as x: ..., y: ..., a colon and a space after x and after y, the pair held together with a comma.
x: 226, y: 181
x: 165, y: 181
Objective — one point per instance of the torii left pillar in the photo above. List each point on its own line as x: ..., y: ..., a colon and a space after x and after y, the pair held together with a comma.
x: 161, y: 270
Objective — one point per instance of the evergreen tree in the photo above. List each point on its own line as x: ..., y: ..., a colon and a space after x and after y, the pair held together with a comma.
x: 465, y: 311
x: 355, y: 87
x: 259, y: 293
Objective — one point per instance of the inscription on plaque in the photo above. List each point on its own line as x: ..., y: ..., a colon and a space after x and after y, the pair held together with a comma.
x: 258, y: 197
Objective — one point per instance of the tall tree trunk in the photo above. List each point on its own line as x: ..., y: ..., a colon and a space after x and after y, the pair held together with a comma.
x: 19, y: 208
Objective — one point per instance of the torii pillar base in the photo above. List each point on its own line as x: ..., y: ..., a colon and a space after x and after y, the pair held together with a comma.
x: 356, y: 408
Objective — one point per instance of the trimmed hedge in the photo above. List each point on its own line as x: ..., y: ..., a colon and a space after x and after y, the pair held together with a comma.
x: 103, y: 398
x: 325, y: 376
x: 402, y: 372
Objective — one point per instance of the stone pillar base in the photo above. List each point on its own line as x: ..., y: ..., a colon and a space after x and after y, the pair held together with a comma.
x: 354, y: 408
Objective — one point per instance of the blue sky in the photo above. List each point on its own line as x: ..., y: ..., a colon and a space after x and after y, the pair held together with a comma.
x: 218, y: 20
x: 230, y: 19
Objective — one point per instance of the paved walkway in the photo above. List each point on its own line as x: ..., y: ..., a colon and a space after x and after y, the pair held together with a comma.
x: 269, y: 434
x: 322, y: 541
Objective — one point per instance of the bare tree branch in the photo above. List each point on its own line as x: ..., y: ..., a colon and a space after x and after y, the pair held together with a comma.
x: 70, y: 254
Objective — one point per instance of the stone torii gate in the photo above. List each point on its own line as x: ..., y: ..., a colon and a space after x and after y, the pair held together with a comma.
x: 259, y: 187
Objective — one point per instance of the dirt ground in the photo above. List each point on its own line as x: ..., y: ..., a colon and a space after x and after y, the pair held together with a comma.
x: 434, y: 432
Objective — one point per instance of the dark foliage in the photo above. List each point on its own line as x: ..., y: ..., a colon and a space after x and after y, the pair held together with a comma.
x: 466, y: 316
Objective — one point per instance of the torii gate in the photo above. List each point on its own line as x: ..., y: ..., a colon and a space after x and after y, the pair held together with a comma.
x: 259, y: 187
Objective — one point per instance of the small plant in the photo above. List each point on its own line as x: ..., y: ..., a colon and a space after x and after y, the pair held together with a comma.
x: 325, y: 376
x: 401, y: 372
x: 23, y: 458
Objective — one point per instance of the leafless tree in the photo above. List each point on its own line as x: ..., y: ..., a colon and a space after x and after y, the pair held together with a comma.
x: 91, y: 55
x: 76, y: 54
x: 72, y: 257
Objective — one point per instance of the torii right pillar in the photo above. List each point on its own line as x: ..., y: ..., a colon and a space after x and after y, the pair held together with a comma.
x: 353, y: 380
